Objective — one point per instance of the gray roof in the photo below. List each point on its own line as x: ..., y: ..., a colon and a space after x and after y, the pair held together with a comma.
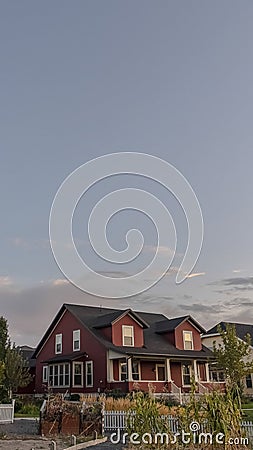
x: 93, y: 318
x: 241, y: 329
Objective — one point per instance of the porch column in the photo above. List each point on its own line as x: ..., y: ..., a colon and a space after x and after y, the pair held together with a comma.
x: 109, y: 370
x: 129, y: 369
x: 168, y: 371
x: 195, y: 370
x: 207, y: 372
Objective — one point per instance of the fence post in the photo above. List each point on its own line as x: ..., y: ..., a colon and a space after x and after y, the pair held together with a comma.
x: 103, y: 419
x: 73, y: 439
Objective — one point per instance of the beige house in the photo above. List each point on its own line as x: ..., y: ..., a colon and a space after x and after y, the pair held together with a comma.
x: 212, y: 335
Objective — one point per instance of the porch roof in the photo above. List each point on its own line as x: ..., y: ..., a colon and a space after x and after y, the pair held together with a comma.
x: 65, y: 358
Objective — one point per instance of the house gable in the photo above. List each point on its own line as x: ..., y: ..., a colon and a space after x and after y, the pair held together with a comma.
x: 118, y: 329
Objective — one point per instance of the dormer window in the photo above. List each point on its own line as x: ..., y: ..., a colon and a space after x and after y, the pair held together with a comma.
x: 188, y: 340
x: 128, y: 335
x: 58, y: 343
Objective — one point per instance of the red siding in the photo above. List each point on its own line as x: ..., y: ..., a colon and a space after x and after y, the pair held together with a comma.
x: 116, y: 369
x: 202, y: 371
x: 96, y: 352
x: 117, y: 331
x: 176, y: 373
x: 187, y: 326
x: 148, y: 370
x: 107, y: 333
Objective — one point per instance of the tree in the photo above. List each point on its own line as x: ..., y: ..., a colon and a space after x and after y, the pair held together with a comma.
x: 233, y: 356
x: 16, y: 370
x: 4, y: 338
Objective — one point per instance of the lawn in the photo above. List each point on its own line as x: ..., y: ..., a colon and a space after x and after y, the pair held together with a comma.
x: 248, y: 415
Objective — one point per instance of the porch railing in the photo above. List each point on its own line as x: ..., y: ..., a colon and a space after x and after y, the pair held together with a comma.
x: 201, y: 388
x: 176, y: 392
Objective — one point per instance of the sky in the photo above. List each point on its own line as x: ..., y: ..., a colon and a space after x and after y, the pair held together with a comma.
x: 79, y: 80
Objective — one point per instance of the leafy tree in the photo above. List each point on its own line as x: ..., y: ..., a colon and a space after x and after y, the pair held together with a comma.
x: 16, y: 370
x: 4, y: 338
x: 233, y: 356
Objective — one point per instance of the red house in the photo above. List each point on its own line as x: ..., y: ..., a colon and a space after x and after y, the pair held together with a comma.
x: 90, y: 349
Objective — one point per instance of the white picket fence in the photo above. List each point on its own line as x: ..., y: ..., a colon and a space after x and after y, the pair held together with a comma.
x: 7, y: 412
x: 117, y: 420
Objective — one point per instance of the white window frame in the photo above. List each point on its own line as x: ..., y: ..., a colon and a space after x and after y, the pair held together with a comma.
x: 188, y: 332
x: 124, y: 327
x: 190, y: 374
x: 58, y: 375
x: 77, y: 363
x: 45, y: 374
x: 76, y: 338
x: 121, y: 363
x: 156, y: 371
x: 139, y: 370
x: 87, y: 364
x: 58, y: 341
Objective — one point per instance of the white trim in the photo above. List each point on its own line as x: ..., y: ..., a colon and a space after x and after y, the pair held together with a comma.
x: 120, y: 371
x: 156, y: 371
x: 188, y: 332
x: 50, y: 334
x: 139, y: 370
x: 78, y: 332
x: 130, y: 315
x: 59, y: 335
x: 44, y: 374
x: 182, y: 373
x: 89, y: 363
x: 132, y: 328
x: 64, y: 364
x: 77, y: 363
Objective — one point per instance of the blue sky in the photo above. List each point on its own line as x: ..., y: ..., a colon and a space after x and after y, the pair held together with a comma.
x: 82, y: 79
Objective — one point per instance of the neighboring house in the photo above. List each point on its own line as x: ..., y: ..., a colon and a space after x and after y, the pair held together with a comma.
x: 213, y: 335
x: 91, y: 349
x: 27, y: 353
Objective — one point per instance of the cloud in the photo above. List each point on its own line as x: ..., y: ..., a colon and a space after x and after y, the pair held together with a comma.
x: 5, y: 281
x: 60, y: 282
x: 238, y: 281
x: 197, y: 274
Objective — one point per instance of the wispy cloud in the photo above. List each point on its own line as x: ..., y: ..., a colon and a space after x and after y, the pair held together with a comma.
x: 197, y: 274
x: 5, y: 281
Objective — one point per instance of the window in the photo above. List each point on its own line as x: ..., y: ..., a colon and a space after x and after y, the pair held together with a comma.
x: 58, y: 343
x: 249, y: 381
x: 217, y: 376
x: 135, y: 370
x: 128, y: 335
x: 89, y: 373
x: 77, y: 374
x: 187, y: 373
x: 45, y: 374
x: 76, y: 340
x: 58, y: 375
x: 123, y: 371
x: 160, y: 372
x: 188, y: 341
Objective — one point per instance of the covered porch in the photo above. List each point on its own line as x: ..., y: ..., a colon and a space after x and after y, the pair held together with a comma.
x: 158, y: 374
